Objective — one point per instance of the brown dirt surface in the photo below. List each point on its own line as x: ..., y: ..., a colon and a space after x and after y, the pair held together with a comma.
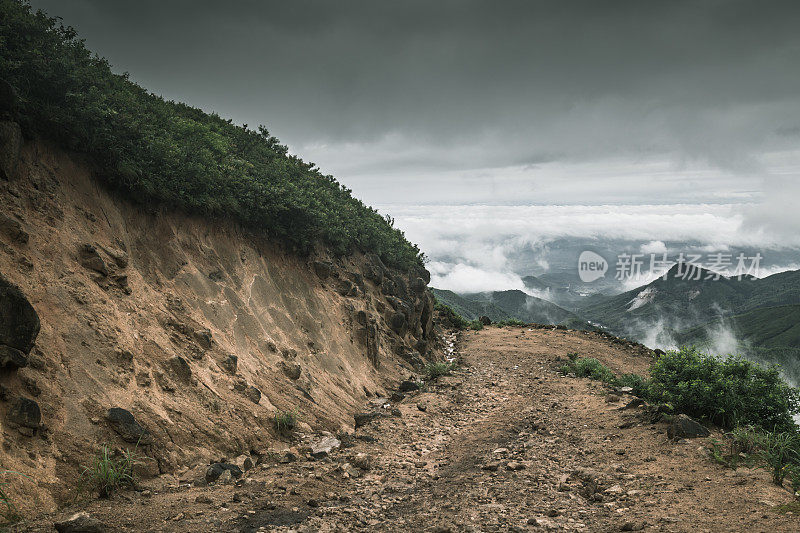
x: 504, y: 443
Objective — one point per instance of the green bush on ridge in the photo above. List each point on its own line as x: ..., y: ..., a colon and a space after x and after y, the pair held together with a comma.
x: 728, y: 392
x: 152, y: 149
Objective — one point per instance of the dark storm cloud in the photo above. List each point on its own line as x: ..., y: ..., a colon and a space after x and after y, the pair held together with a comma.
x: 541, y: 80
x: 510, y: 103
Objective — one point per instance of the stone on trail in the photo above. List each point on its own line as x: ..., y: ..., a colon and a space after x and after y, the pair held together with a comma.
x: 80, y: 523
x: 324, y: 447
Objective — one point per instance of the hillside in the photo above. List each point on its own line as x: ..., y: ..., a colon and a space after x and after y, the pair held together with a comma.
x: 174, y: 285
x: 769, y: 334
x: 155, y: 151
x: 203, y: 331
x: 675, y: 304
x: 469, y: 308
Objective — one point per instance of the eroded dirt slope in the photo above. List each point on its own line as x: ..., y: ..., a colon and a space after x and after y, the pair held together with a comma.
x: 199, y: 329
x: 504, y: 444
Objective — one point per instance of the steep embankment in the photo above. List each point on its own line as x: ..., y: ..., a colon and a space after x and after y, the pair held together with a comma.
x: 202, y: 330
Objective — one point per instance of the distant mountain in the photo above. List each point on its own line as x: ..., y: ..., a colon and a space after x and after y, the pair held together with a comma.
x: 502, y: 305
x: 675, y: 304
x: 768, y: 334
x: 468, y: 308
x: 763, y: 328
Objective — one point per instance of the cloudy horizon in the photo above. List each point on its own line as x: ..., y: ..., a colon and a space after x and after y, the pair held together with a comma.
x: 657, y: 121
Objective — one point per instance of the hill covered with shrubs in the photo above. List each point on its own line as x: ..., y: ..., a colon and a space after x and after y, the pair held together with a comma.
x: 154, y: 150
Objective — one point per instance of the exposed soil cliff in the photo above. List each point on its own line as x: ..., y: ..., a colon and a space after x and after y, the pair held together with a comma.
x: 199, y: 328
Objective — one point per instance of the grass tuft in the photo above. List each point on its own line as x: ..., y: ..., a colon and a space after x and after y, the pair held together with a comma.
x: 110, y: 472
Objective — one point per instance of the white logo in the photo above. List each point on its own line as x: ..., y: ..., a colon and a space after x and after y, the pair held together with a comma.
x: 591, y: 266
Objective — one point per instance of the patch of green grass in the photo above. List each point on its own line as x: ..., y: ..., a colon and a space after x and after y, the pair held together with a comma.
x: 476, y: 325
x: 729, y: 392
x: 109, y: 472
x: 588, y: 367
x: 286, y: 421
x: 792, y: 507
x: 434, y: 371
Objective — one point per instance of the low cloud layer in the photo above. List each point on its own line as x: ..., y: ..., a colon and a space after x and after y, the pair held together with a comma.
x: 475, y: 248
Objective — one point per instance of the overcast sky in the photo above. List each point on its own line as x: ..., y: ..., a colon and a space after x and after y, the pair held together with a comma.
x: 498, y: 102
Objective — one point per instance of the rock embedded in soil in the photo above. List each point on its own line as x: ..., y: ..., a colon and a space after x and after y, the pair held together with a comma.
x: 216, y: 470
x: 408, y: 386
x: 253, y: 394
x: 324, y: 447
x: 685, y: 427
x: 19, y: 322
x: 124, y: 423
x: 80, y: 523
x: 24, y: 414
x: 291, y: 370
x: 180, y: 369
x: 90, y: 258
x: 11, y: 358
x: 13, y: 229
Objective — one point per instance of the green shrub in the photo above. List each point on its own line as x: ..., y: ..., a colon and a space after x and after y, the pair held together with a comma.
x: 286, y: 421
x: 476, y: 325
x: 109, y: 472
x: 780, y: 452
x: 728, y: 392
x: 510, y: 322
x: 433, y: 371
x: 156, y: 151
x: 588, y: 367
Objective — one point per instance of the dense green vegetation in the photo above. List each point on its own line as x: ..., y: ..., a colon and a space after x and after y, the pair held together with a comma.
x: 156, y: 150
x: 729, y: 392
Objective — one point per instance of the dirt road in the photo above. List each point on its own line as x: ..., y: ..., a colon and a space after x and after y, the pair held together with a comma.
x: 506, y: 443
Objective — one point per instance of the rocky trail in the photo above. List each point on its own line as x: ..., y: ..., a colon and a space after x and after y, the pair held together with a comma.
x: 504, y: 443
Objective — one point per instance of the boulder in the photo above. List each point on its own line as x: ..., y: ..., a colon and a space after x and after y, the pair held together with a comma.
x: 89, y: 257
x: 13, y: 229
x: 418, y: 285
x: 684, y: 427
x: 398, y: 322
x: 324, y: 447
x: 203, y: 338
x: 10, y: 149
x: 362, y: 419
x: 408, y: 386
x: 19, y: 322
x: 291, y: 370
x: 323, y: 269
x: 214, y: 471
x: 11, y: 358
x: 24, y: 413
x: 80, y: 523
x: 253, y: 394
x: 230, y: 364
x: 180, y: 369
x: 124, y: 423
